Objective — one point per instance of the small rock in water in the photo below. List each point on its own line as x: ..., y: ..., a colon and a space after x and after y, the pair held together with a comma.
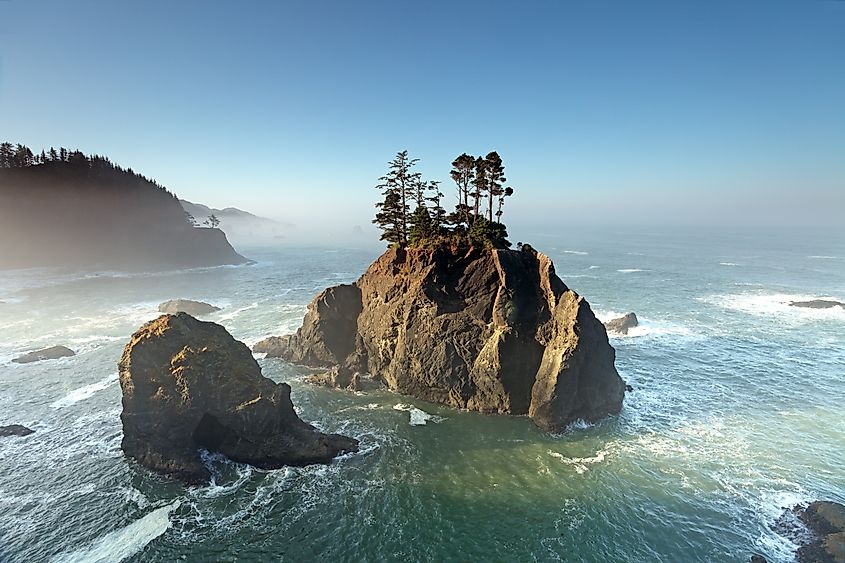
x: 818, y: 304
x: 15, y: 430
x: 622, y: 324
x: 758, y: 559
x: 187, y: 306
x: 51, y: 353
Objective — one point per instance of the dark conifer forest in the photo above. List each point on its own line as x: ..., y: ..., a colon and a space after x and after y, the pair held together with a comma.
x: 62, y: 207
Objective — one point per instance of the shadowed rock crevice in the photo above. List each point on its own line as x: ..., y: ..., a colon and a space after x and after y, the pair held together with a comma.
x: 486, y: 330
x: 188, y: 385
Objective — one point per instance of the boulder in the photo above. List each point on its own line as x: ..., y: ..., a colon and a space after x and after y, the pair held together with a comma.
x: 817, y: 304
x: 51, y: 353
x: 15, y: 430
x: 194, y: 308
x: 622, y: 324
x: 479, y: 329
x: 188, y: 385
x: 758, y: 559
x: 826, y: 521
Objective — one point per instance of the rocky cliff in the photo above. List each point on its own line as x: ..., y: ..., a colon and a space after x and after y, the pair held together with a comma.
x: 485, y: 330
x: 187, y: 384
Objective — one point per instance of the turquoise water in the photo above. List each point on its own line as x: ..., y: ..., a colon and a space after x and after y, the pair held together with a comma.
x: 737, y: 413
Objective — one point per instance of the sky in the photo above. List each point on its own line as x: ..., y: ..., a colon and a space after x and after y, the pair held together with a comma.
x: 632, y: 111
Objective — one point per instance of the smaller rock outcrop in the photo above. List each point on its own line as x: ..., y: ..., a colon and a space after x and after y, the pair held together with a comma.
x: 622, y: 324
x: 818, y: 304
x: 187, y: 385
x: 758, y: 559
x: 51, y: 353
x: 15, y: 430
x: 193, y: 308
x: 826, y: 520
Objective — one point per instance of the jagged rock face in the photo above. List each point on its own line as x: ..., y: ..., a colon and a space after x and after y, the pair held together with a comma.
x: 188, y: 384
x: 492, y: 331
x: 826, y: 520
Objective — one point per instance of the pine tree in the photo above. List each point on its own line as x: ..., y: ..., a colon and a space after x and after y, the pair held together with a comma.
x: 463, y: 174
x: 495, y: 172
x: 480, y: 183
x: 438, y: 214
x: 7, y: 155
x: 507, y: 192
x: 397, y: 186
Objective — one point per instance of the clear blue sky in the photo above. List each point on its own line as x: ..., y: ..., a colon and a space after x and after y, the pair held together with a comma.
x: 662, y: 110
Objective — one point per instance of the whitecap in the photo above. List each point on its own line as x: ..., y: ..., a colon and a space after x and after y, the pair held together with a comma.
x: 84, y: 392
x: 775, y: 304
x: 631, y: 270
x: 728, y: 264
x: 823, y: 257
x: 578, y: 252
x: 580, y: 463
x: 417, y: 416
x: 125, y: 542
x: 593, y: 268
x: 236, y: 312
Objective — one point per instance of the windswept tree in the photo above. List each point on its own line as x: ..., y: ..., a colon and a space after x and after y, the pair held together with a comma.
x: 495, y: 175
x: 480, y: 184
x: 212, y: 221
x: 507, y: 192
x: 463, y: 174
x: 191, y: 219
x: 438, y: 214
x: 397, y: 186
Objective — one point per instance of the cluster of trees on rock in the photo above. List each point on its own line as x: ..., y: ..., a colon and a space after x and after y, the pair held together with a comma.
x: 412, y: 214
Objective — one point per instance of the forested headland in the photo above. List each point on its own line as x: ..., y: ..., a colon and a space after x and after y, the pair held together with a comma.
x: 63, y: 207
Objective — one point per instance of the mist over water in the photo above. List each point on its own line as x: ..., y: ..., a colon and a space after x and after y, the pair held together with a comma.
x: 736, y: 413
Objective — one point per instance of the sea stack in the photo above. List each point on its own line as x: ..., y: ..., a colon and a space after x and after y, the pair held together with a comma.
x: 484, y: 329
x: 187, y: 384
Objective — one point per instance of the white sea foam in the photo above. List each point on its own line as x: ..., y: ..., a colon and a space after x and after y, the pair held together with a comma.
x: 823, y: 257
x: 236, y: 312
x: 418, y: 417
x: 578, y: 252
x: 125, y: 542
x: 631, y: 270
x: 646, y: 326
x: 84, y: 392
x: 728, y: 264
x: 776, y: 304
x: 580, y: 464
x: 593, y: 268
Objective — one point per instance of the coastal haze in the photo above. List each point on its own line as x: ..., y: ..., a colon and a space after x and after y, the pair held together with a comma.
x: 679, y: 161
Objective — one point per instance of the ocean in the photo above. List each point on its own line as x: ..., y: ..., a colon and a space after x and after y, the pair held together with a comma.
x: 737, y: 412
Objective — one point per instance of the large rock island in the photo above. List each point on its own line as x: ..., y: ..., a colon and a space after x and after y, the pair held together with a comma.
x: 490, y: 330
x: 187, y: 384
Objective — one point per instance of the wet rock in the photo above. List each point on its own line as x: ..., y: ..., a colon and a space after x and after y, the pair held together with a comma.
x: 51, y: 353
x: 817, y: 304
x: 758, y: 559
x: 622, y: 324
x: 485, y: 330
x: 15, y: 430
x: 826, y: 521
x: 193, y: 308
x: 187, y: 385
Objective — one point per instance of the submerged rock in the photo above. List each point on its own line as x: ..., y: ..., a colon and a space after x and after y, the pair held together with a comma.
x: 187, y: 384
x: 758, y: 559
x: 15, y: 430
x: 826, y: 520
x: 485, y: 330
x: 622, y: 324
x: 194, y: 308
x: 818, y: 304
x: 51, y: 353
